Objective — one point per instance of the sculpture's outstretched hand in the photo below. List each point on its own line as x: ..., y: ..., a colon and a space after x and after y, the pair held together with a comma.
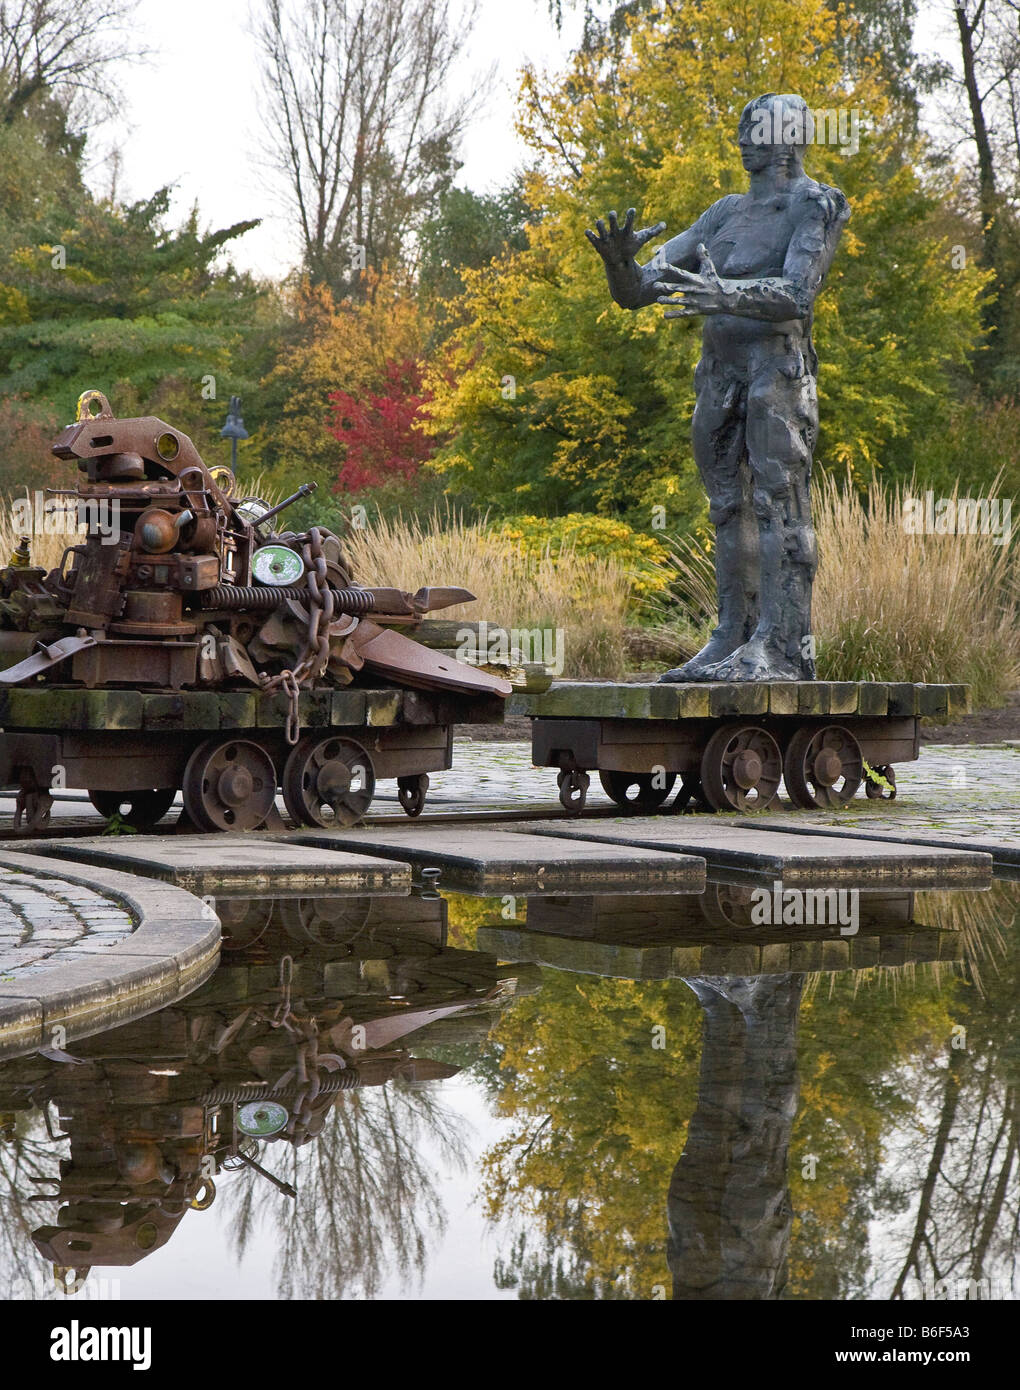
x: 703, y: 293
x: 620, y: 245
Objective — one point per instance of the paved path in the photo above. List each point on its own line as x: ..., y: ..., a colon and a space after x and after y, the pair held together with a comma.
x: 971, y: 789
x: 44, y: 921
x: 86, y: 948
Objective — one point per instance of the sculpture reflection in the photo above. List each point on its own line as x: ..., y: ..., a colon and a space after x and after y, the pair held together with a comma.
x: 729, y: 1208
x: 299, y: 1041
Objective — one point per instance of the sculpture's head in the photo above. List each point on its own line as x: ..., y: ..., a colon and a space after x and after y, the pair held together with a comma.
x: 774, y: 130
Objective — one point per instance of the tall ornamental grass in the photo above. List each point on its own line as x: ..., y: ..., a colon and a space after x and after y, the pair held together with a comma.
x: 586, y: 597
x: 888, y: 604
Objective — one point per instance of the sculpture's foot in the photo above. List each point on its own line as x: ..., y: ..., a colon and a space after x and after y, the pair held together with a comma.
x: 756, y: 660
x: 717, y: 647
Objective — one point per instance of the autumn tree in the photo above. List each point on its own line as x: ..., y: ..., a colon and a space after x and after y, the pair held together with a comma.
x: 561, y: 401
x: 378, y: 430
x: 331, y: 346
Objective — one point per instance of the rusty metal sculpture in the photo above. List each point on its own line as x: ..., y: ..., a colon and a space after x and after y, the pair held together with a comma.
x: 192, y: 588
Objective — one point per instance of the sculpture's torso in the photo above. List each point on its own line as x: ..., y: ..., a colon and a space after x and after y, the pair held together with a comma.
x: 748, y: 238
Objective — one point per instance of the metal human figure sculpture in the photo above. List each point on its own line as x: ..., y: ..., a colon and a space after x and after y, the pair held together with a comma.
x: 752, y: 265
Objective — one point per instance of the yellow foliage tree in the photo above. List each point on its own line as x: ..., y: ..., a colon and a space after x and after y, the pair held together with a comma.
x: 552, y: 399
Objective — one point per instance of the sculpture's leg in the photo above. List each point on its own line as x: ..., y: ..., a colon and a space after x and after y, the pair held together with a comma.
x: 782, y: 427
x: 720, y: 452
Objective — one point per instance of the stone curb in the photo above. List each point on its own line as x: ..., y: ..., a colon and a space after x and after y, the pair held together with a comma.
x: 174, y: 949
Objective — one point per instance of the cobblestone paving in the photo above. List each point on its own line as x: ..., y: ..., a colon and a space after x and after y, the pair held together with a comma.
x: 46, y: 922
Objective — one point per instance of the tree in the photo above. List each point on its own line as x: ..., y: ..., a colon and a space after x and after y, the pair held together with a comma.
x: 378, y: 431
x: 559, y: 401
x: 988, y: 87
x: 116, y: 297
x: 330, y: 346
x: 94, y: 293
x: 361, y: 127
x: 468, y: 231
x: 68, y: 51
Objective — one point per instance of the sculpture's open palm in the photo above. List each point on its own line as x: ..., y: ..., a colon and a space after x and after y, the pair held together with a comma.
x: 619, y: 245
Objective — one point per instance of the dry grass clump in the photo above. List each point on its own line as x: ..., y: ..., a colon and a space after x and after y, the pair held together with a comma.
x: 888, y: 605
x: 583, y: 596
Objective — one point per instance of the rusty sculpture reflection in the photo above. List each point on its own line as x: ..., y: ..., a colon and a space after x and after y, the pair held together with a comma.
x: 316, y: 1002
x: 752, y: 265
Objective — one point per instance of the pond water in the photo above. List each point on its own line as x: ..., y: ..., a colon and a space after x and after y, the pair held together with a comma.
x: 629, y: 1097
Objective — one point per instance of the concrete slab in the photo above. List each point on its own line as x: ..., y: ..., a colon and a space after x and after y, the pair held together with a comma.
x: 658, y: 961
x: 495, y: 860
x: 229, y: 865
x: 1004, y: 849
x: 776, y: 854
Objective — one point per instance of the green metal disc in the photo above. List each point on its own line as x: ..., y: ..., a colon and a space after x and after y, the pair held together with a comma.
x: 277, y: 564
x: 261, y: 1118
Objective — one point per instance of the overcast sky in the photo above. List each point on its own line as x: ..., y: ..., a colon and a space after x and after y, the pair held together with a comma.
x: 192, y: 111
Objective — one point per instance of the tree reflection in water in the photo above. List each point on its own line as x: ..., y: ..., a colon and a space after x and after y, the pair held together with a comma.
x: 368, y: 1204
x: 896, y: 1169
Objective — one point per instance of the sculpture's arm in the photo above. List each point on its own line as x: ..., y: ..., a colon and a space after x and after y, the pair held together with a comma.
x: 775, y: 299
x: 633, y: 285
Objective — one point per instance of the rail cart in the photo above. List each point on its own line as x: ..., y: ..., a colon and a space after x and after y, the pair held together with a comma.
x: 227, y: 751
x: 731, y: 744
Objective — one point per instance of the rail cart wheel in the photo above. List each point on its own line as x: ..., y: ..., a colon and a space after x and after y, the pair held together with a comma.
x: 244, y: 921
x: 411, y: 793
x: 823, y: 767
x: 229, y: 784
x: 328, y: 781
x: 140, y: 809
x: 726, y: 905
x: 741, y: 769
x: 324, y: 921
x: 875, y: 791
x: 573, y: 786
x: 637, y: 789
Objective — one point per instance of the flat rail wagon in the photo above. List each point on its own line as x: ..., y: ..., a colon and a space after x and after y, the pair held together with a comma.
x: 731, y: 745
x: 227, y: 752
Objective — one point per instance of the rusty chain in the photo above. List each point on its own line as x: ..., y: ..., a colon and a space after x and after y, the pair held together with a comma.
x: 315, y: 656
x: 308, y: 1066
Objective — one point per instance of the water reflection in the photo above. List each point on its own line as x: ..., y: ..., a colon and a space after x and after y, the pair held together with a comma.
x: 301, y: 1039
x: 687, y: 1100
x: 837, y: 1116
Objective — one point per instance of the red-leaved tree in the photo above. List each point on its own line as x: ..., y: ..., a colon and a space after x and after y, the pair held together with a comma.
x: 378, y: 431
